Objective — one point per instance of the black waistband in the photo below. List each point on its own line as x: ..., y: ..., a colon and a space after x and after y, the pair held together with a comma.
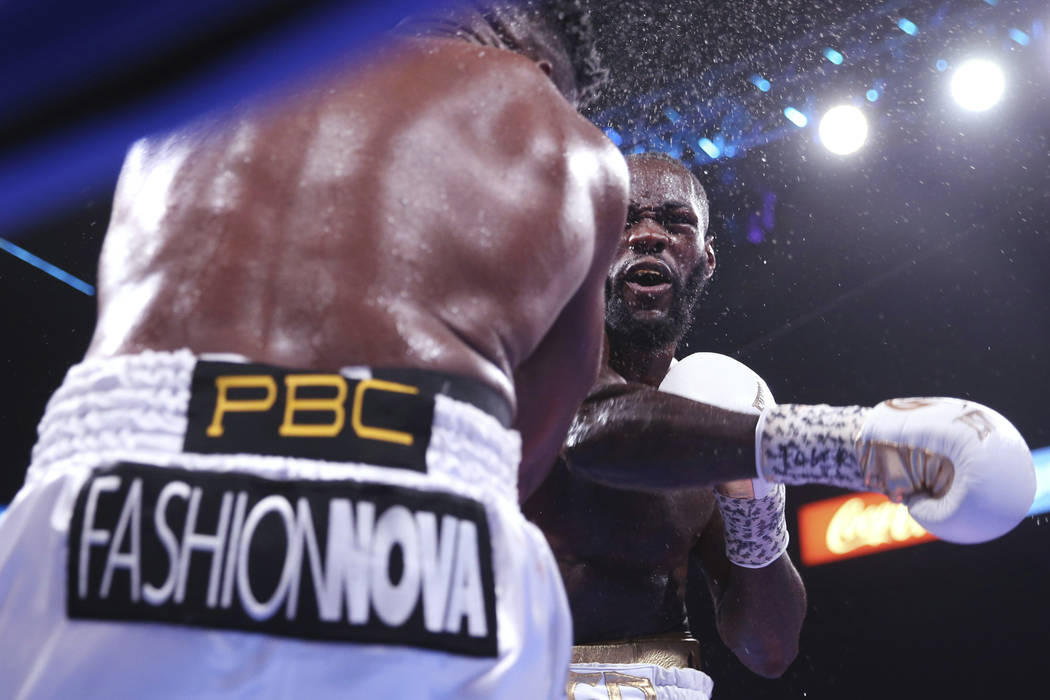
x: 454, y: 386
x: 382, y: 419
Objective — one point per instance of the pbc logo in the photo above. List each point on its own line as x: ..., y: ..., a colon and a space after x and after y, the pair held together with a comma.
x: 328, y: 560
x: 237, y: 408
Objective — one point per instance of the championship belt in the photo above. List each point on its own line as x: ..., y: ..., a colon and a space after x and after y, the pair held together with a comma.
x: 668, y: 650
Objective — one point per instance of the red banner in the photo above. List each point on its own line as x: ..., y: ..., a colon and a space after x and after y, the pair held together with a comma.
x: 853, y: 526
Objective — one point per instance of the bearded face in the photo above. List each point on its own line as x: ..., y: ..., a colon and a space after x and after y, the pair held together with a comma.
x: 630, y: 322
x: 664, y: 259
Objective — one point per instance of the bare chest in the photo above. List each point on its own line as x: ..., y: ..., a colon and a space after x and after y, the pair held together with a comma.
x: 605, y: 527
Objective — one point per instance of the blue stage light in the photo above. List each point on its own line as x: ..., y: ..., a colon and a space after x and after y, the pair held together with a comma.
x: 57, y: 273
x: 1041, y: 459
x: 84, y: 45
x: 796, y: 117
x: 760, y: 82
x: 907, y: 26
x: 1019, y: 37
x: 708, y: 146
x: 614, y: 136
x: 674, y: 116
x: 872, y: 95
x: 833, y: 56
x: 638, y: 149
x: 993, y: 3
x: 941, y: 65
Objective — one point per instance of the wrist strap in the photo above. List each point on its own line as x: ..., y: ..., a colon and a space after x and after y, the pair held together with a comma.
x: 756, y: 529
x: 800, y: 444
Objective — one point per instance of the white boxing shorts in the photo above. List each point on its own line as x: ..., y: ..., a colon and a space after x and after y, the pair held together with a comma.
x: 211, y: 528
x: 637, y: 682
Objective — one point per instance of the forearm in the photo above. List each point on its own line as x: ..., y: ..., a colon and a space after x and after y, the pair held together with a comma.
x: 759, y: 615
x: 633, y: 436
x: 759, y: 598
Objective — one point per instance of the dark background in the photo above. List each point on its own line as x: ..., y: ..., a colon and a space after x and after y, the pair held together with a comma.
x: 917, y: 266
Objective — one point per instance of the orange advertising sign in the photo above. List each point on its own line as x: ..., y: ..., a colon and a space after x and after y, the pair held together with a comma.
x: 855, y: 525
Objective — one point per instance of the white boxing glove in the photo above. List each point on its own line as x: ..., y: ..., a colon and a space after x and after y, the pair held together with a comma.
x: 753, y: 509
x: 719, y: 380
x: 964, y: 471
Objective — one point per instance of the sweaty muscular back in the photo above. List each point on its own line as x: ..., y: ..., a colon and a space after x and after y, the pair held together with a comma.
x: 439, y: 207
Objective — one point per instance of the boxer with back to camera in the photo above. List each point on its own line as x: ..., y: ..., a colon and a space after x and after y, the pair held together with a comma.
x: 336, y: 327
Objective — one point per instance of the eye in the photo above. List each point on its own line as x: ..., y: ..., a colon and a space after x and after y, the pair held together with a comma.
x: 679, y: 220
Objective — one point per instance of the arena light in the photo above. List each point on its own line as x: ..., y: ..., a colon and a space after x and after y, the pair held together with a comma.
x: 709, y: 147
x: 796, y: 117
x: 614, y: 136
x: 760, y: 82
x: 1020, y: 37
x: 872, y: 95
x: 1041, y: 460
x: 907, y: 26
x: 56, y: 272
x: 843, y: 129
x: 977, y: 85
x: 834, y: 56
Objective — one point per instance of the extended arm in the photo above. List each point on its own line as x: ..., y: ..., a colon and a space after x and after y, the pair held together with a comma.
x: 633, y: 436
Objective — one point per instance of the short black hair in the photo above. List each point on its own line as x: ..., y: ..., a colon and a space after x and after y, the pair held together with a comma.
x: 572, y: 20
x: 478, y: 20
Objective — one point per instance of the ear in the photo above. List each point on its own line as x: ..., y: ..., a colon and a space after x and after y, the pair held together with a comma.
x: 709, y: 250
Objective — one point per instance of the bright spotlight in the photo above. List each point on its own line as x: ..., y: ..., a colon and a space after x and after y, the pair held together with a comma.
x: 977, y: 84
x: 843, y: 129
x: 796, y: 117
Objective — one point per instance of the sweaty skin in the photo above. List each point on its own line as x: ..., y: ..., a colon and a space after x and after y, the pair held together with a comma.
x: 441, y: 207
x: 625, y: 434
x: 628, y: 508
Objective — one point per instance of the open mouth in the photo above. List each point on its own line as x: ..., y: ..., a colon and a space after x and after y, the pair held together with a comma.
x: 648, y: 277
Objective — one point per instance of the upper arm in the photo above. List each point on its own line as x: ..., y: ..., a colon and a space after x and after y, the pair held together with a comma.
x: 549, y: 386
x: 553, y: 380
